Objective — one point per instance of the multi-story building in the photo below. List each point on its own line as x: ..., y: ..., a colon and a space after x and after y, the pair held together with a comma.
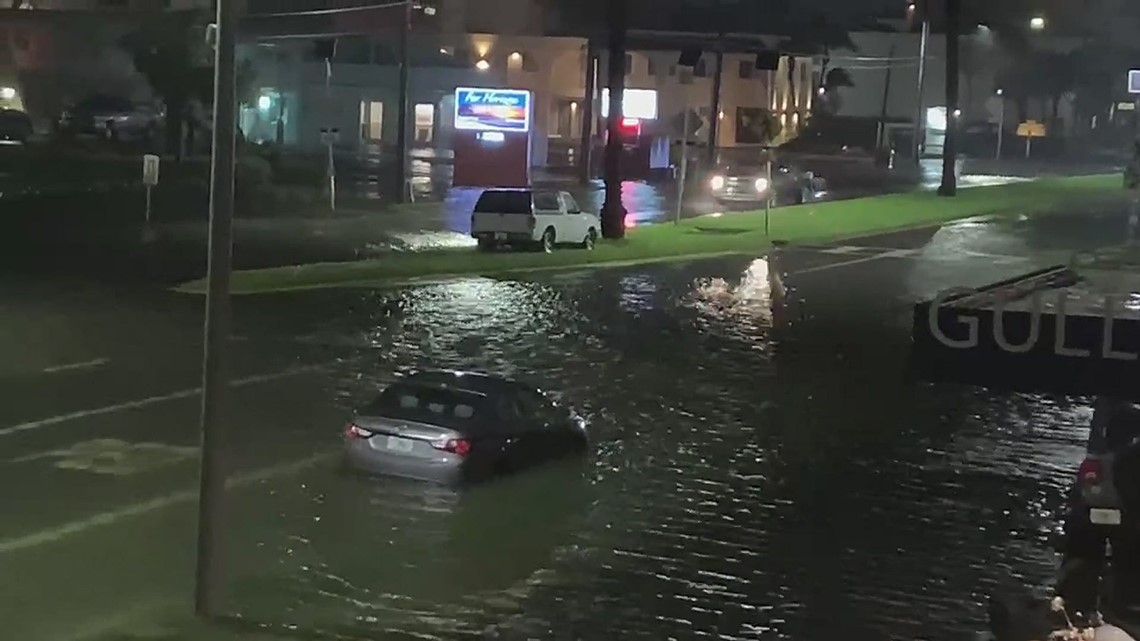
x: 501, y: 46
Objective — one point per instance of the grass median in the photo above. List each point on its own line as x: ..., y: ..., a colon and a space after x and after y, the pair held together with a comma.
x: 707, y: 236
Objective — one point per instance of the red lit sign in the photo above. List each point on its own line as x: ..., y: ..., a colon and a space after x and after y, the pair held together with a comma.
x: 630, y: 128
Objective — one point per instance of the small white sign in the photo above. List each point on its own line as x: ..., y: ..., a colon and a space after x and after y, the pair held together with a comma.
x: 1134, y: 81
x: 329, y: 136
x: 150, y: 170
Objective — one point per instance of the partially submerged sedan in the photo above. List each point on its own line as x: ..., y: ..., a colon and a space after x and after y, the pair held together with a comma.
x: 453, y: 427
x: 750, y: 183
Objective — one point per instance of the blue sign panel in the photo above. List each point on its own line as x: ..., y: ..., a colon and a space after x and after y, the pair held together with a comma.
x: 492, y: 109
x: 1134, y: 81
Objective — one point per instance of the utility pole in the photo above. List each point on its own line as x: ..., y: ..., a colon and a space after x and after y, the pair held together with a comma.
x: 613, y: 212
x: 714, y: 115
x: 949, y: 185
x: 212, y: 481
x: 586, y: 153
x: 402, y: 108
x: 921, y: 10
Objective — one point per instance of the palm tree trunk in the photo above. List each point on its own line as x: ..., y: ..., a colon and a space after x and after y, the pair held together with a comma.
x: 613, y: 213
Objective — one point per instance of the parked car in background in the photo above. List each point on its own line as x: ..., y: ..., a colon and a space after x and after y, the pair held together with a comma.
x: 749, y: 183
x: 524, y: 217
x: 452, y: 428
x: 111, y: 118
x: 1102, y: 526
x: 15, y: 126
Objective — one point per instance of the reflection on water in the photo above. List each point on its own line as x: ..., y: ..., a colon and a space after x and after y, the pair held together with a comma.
x: 735, y: 490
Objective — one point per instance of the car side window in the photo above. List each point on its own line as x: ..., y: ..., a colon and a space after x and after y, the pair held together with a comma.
x: 547, y: 203
x: 571, y: 205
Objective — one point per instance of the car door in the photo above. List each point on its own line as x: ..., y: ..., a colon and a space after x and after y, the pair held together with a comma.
x: 576, y: 220
x: 522, y: 442
x: 548, y: 213
x: 554, y: 439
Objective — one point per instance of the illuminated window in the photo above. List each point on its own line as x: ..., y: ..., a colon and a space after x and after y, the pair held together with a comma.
x: 371, y: 120
x: 425, y: 122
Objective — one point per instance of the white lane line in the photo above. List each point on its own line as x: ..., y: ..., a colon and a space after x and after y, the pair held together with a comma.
x: 150, y: 400
x: 113, y: 516
x: 900, y: 253
x: 96, y: 362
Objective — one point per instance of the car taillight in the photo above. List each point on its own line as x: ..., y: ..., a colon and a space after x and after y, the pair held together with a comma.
x: 352, y: 431
x: 460, y: 446
x: 1089, y: 472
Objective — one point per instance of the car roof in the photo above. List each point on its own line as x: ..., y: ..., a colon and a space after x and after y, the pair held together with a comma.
x: 478, y: 382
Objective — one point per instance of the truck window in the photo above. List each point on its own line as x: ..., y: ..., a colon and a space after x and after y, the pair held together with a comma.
x: 503, y: 202
x: 546, y: 202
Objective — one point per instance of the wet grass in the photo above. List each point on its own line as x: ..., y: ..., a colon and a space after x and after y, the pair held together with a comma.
x: 709, y: 236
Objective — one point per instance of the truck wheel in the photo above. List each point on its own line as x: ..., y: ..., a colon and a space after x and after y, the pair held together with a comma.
x: 590, y: 240
x: 548, y: 240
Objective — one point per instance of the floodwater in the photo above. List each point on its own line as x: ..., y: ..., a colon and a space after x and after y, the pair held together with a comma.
x: 763, y: 468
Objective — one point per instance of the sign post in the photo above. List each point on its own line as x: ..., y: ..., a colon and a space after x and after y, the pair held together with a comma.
x: 150, y: 180
x: 1029, y: 130
x: 329, y: 137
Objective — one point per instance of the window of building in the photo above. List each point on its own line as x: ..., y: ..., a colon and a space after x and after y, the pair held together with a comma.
x: 425, y: 122
x: 747, y: 69
x: 628, y: 64
x: 371, y: 120
x: 521, y: 61
x: 654, y: 68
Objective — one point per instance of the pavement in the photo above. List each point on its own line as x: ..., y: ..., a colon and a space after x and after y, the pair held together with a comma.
x: 758, y: 468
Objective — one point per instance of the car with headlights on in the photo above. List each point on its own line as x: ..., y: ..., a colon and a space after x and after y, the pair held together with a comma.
x: 750, y: 183
x: 454, y: 427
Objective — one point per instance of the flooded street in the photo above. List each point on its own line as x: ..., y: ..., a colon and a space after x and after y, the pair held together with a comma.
x: 755, y: 474
x: 763, y: 465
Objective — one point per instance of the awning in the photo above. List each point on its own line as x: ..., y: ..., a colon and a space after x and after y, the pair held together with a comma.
x: 1053, y: 330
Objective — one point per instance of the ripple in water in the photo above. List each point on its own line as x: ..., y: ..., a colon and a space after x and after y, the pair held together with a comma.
x: 736, y: 490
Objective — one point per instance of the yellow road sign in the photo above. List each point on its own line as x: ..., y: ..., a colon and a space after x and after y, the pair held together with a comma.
x: 1031, y: 129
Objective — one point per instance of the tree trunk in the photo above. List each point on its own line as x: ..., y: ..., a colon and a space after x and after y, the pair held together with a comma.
x: 949, y: 185
x: 613, y: 213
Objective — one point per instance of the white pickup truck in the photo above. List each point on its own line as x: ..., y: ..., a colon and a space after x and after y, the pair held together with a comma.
x: 529, y: 218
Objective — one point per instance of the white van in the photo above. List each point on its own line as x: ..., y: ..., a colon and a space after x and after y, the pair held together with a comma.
x: 528, y: 218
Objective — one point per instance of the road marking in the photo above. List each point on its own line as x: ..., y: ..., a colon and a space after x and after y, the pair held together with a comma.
x: 151, y: 400
x: 843, y: 250
x: 898, y: 253
x: 113, y: 456
x: 74, y: 366
x: 110, y: 517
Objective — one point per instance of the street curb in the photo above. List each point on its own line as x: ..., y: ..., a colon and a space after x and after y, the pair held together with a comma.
x: 393, y: 282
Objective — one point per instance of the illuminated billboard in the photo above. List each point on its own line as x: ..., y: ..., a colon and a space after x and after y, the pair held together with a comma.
x: 635, y: 103
x: 492, y: 109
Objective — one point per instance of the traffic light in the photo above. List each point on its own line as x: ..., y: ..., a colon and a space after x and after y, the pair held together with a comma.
x: 324, y: 48
x: 768, y: 60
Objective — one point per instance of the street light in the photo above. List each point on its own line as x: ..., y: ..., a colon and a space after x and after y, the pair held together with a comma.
x: 482, y: 65
x: 1037, y: 23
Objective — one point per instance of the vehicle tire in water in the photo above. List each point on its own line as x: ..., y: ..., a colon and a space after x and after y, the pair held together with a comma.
x: 590, y: 240
x: 548, y: 240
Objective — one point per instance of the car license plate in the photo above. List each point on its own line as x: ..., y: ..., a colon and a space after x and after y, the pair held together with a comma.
x: 1099, y: 516
x: 500, y: 236
x: 402, y: 445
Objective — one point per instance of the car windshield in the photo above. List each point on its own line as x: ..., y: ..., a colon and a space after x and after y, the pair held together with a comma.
x: 504, y: 202
x: 105, y: 103
x: 456, y: 409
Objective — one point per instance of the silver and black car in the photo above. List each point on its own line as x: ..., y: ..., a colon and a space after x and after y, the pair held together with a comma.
x: 111, y: 118
x: 750, y: 183
x: 453, y: 427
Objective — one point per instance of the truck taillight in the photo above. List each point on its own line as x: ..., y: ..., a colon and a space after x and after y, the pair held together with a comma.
x: 1090, y: 472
